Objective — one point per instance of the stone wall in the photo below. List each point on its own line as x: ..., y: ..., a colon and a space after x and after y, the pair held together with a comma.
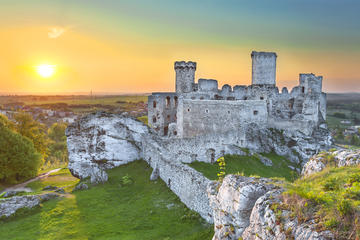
x: 188, y: 184
x: 162, y: 109
x: 201, y: 117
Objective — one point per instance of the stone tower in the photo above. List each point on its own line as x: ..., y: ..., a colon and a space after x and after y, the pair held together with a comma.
x: 185, y: 76
x: 263, y: 68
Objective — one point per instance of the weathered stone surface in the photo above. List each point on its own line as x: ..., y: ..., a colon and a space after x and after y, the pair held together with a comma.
x: 264, y: 224
x: 232, y: 203
x: 101, y: 141
x: 155, y: 174
x: 339, y: 158
x: 81, y: 186
x: 9, y: 206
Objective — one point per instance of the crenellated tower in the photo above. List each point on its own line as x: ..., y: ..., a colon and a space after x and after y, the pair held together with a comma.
x: 185, y: 76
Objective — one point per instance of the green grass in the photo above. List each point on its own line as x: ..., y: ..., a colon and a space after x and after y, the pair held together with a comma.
x: 138, y: 210
x: 333, y: 199
x: 62, y: 178
x: 248, y: 165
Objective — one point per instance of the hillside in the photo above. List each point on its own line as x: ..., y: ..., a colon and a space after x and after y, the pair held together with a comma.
x: 128, y: 206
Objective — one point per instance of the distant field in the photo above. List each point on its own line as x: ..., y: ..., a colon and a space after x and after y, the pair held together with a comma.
x: 108, y: 100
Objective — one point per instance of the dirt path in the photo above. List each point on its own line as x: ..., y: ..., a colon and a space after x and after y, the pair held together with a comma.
x: 21, y: 186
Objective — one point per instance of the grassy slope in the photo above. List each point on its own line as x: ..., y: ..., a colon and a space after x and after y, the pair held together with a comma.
x: 140, y: 210
x: 248, y: 165
x: 333, y: 200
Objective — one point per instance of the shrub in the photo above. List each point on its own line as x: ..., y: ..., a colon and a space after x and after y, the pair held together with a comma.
x: 344, y: 207
x: 331, y: 184
x: 126, y: 180
x: 222, y: 164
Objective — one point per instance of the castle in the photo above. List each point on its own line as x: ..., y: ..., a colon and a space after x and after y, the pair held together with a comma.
x: 198, y: 109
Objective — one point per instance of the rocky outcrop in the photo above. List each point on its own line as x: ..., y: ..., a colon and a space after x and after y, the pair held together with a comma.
x: 101, y: 141
x: 295, y: 145
x: 9, y: 206
x: 243, y: 209
x: 270, y: 225
x: 339, y: 158
x: 232, y: 203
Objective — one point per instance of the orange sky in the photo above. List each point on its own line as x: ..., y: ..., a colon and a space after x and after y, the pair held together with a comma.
x: 131, y: 56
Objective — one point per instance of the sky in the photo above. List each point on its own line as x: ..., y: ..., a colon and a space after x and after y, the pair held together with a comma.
x: 115, y: 46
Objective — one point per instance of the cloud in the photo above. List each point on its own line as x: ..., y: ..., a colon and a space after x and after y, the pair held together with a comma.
x: 56, y: 32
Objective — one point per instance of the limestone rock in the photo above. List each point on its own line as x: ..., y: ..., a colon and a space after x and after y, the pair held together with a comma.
x: 155, y: 174
x: 101, y: 141
x: 339, y: 158
x: 232, y: 203
x: 295, y: 145
x: 264, y: 223
x: 10, y: 206
x: 81, y: 186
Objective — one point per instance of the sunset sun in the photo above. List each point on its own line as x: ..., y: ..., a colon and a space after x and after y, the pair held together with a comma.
x: 45, y: 70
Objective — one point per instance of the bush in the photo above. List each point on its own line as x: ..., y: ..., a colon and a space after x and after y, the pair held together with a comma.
x: 331, y: 184
x: 19, y: 159
x: 344, y: 207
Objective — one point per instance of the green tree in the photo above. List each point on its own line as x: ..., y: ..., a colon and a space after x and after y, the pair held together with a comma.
x: 19, y: 159
x: 355, y: 140
x: 35, y: 131
x: 58, y: 153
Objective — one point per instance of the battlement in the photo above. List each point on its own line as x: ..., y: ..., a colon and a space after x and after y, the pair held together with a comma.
x: 263, y: 54
x: 183, y: 64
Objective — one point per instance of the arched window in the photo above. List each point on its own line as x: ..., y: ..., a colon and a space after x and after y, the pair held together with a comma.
x: 176, y: 100
x: 154, y: 104
x: 167, y: 101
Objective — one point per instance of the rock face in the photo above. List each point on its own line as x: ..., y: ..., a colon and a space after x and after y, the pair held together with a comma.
x: 265, y: 225
x: 10, y: 206
x: 339, y: 158
x: 295, y: 145
x: 102, y: 141
x: 232, y: 203
x: 243, y: 210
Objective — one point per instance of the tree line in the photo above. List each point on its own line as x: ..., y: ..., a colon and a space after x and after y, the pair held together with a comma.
x: 27, y: 145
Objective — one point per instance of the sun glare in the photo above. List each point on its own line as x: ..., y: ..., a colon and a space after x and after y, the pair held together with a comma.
x: 45, y: 70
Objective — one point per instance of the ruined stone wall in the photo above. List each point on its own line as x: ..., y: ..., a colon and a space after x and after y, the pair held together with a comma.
x: 162, y: 109
x: 206, y: 148
x: 188, y: 184
x: 201, y: 117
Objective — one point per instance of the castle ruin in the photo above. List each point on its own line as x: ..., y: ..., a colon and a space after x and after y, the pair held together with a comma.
x: 202, y: 109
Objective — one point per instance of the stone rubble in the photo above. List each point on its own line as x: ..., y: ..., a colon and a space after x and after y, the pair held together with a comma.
x: 9, y: 206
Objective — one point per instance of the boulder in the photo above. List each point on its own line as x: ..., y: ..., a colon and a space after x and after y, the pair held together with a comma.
x: 100, y: 141
x: 81, y: 186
